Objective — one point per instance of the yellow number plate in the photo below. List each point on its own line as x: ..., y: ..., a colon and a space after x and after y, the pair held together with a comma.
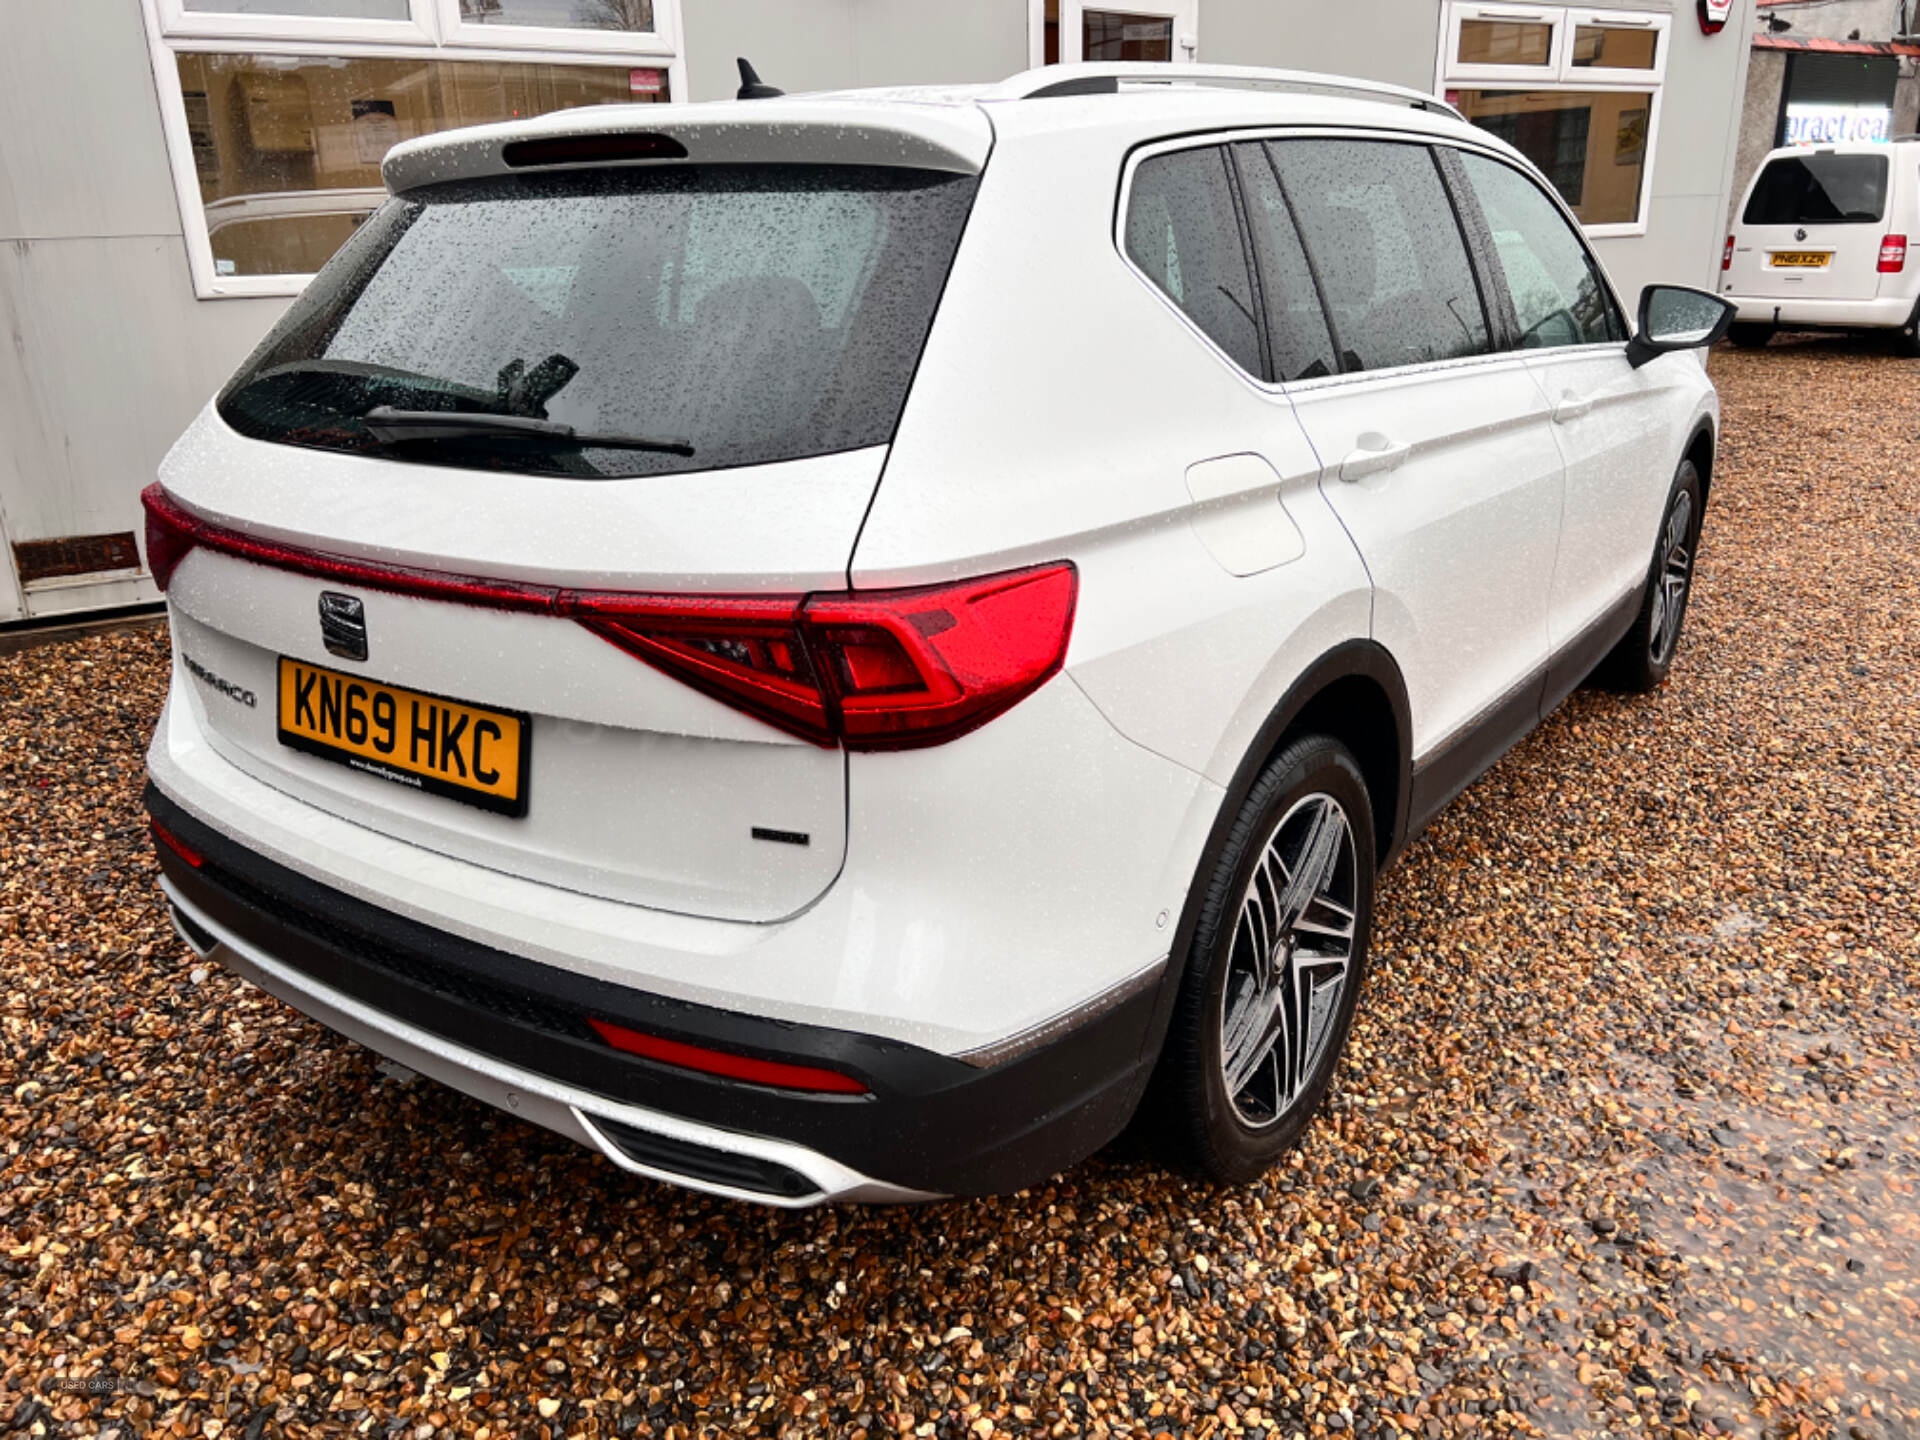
x: 1801, y: 259
x: 426, y: 742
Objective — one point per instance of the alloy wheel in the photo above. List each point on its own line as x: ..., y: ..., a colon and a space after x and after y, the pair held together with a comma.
x: 1676, y: 574
x: 1292, y: 957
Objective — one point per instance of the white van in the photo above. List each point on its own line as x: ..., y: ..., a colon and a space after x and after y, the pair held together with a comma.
x: 1821, y: 243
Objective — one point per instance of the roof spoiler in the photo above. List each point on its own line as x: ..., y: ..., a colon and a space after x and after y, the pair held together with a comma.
x: 786, y: 131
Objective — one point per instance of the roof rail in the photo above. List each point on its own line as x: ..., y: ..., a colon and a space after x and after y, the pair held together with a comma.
x: 1053, y: 81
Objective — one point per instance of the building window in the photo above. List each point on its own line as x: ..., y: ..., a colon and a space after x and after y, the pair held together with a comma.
x: 279, y: 112
x: 1072, y: 31
x: 1109, y: 35
x: 1575, y: 91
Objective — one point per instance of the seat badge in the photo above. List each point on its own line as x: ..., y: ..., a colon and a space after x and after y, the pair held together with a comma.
x: 343, y: 625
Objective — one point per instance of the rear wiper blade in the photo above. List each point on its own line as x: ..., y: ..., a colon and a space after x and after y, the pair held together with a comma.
x: 393, y: 427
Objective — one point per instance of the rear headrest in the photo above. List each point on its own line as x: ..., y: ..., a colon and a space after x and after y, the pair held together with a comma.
x: 1350, y: 269
x: 768, y: 304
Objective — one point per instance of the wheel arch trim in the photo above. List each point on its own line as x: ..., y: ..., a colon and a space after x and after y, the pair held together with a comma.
x: 1703, y: 440
x: 1358, y: 659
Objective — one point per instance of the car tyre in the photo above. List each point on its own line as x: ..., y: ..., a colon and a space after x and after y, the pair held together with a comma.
x: 1275, y: 966
x: 1906, y: 340
x: 1750, y: 335
x: 1644, y: 656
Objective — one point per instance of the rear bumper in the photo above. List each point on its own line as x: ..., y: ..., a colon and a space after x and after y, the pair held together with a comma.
x: 513, y: 1032
x: 1886, y: 312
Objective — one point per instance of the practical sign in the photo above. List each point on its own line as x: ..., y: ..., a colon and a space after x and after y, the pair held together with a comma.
x: 1831, y: 124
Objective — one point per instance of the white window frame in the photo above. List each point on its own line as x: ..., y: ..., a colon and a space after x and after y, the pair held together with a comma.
x: 1563, y: 74
x: 1550, y: 15
x: 661, y: 40
x: 173, y: 30
x: 177, y: 22
x: 1601, y: 77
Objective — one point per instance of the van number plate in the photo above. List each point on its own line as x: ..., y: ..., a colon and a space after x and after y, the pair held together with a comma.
x: 425, y: 742
x: 1801, y: 259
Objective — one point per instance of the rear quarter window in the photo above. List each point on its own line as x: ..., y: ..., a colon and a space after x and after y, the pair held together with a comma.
x: 1819, y: 189
x: 1184, y: 234
x: 756, y: 313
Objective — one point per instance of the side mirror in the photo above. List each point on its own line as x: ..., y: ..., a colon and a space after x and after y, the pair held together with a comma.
x: 1677, y: 317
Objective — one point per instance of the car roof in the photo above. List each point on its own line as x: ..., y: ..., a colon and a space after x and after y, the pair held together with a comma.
x: 954, y: 127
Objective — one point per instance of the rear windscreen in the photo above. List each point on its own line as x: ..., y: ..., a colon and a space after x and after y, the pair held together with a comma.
x: 1819, y: 190
x: 743, y: 313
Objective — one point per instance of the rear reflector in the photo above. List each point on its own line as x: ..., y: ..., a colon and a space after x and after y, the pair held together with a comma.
x: 720, y: 1062
x: 1893, y: 254
x: 174, y: 843
x: 870, y: 670
x: 1726, y: 255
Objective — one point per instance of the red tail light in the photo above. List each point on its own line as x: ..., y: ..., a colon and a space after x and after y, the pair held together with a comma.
x: 916, y: 667
x: 871, y: 670
x: 748, y: 653
x: 180, y: 531
x: 1726, y: 255
x: 174, y: 843
x: 720, y: 1062
x: 1893, y: 254
x: 169, y: 534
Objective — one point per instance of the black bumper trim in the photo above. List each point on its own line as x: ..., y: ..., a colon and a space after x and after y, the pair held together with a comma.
x: 931, y: 1122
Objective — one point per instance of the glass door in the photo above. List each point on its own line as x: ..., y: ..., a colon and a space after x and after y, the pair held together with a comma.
x: 1070, y: 31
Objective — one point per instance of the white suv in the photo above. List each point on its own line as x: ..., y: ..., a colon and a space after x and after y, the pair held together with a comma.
x: 1821, y: 243
x: 829, y: 647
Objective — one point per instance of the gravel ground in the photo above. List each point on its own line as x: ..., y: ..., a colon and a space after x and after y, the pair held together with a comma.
x: 1626, y: 1141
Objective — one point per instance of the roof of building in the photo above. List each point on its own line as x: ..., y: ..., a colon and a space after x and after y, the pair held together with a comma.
x: 1816, y: 45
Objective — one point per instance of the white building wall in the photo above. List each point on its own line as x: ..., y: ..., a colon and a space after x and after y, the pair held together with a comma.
x: 1395, y: 41
x: 1693, y: 161
x: 836, y: 44
x: 109, y: 353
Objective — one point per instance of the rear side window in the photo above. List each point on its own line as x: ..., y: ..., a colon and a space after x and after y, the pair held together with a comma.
x: 1388, y: 249
x: 1558, y: 295
x: 749, y: 313
x: 1296, y: 325
x: 1819, y: 189
x: 1184, y: 235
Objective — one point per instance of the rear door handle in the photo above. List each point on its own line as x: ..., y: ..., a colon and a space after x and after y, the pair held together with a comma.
x: 1571, y: 408
x: 1376, y: 455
